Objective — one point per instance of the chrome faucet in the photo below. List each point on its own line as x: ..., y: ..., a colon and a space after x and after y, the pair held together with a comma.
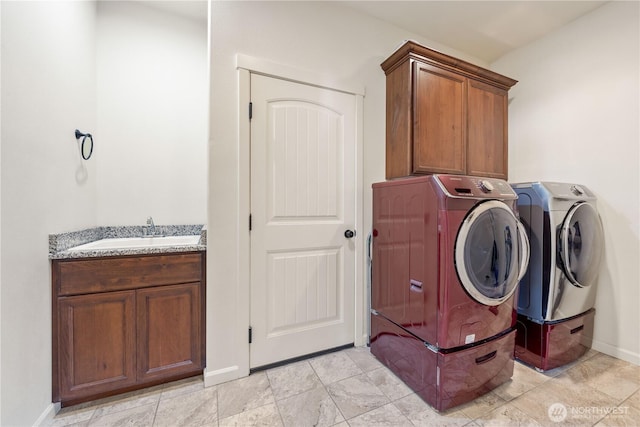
x: 151, y: 227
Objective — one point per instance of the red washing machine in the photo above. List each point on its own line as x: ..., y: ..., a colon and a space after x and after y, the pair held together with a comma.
x: 448, y: 252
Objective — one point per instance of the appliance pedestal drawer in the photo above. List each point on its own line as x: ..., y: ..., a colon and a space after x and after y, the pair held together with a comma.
x: 550, y: 345
x: 442, y: 379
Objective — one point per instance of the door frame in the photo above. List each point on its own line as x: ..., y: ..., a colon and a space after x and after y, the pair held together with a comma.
x: 246, y: 65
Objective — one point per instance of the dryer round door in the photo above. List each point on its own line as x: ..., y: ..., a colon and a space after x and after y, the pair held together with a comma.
x: 491, y: 253
x: 580, y: 243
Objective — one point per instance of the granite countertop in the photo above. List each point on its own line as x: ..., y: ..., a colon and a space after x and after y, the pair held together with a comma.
x: 59, y: 244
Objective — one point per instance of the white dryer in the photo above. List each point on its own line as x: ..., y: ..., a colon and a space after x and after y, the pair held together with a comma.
x: 566, y: 239
x: 557, y: 294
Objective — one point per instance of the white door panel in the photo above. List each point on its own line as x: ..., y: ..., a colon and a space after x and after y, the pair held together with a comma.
x: 302, y: 200
x: 305, y: 164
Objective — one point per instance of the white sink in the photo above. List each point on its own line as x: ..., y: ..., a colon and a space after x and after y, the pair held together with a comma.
x: 138, y: 242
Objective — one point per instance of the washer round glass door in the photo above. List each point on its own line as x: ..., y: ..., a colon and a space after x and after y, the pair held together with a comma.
x: 491, y: 253
x: 580, y: 245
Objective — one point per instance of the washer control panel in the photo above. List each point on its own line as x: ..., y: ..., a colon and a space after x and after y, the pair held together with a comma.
x: 485, y: 186
x: 475, y: 187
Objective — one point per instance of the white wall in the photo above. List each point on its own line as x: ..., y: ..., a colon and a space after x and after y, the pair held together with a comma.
x: 48, y: 90
x: 0, y: 226
x: 152, y: 100
x: 325, y: 38
x: 64, y: 63
x: 575, y: 117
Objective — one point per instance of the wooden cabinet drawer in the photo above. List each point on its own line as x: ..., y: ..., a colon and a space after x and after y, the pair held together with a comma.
x: 81, y: 276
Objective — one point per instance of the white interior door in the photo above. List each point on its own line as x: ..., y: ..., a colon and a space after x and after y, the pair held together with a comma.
x: 303, y: 147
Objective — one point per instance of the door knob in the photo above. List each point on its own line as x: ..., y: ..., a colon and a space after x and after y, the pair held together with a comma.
x: 349, y: 234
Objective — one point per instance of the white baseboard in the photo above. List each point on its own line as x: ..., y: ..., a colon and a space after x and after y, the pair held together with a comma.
x: 363, y: 341
x: 223, y: 375
x: 616, y: 352
x: 47, y: 415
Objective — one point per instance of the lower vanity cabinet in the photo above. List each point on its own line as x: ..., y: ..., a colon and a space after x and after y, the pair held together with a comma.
x: 96, y: 351
x: 168, y: 325
x: 139, y: 323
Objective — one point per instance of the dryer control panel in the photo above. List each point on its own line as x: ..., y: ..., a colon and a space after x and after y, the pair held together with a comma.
x: 557, y: 192
x: 475, y: 187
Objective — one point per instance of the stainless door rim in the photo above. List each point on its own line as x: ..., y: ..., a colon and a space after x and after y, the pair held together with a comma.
x: 463, y: 234
x: 565, y: 249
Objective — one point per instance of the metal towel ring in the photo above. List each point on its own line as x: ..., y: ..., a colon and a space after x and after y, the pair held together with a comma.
x: 86, y: 147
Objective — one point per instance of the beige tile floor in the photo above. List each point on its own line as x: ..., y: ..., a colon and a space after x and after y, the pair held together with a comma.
x: 351, y: 388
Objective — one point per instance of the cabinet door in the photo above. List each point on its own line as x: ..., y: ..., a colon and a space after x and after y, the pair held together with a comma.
x: 399, y: 122
x: 169, y: 338
x: 487, y: 146
x: 439, y: 132
x: 97, y: 343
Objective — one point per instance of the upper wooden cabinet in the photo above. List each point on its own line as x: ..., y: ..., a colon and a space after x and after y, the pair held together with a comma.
x: 444, y: 115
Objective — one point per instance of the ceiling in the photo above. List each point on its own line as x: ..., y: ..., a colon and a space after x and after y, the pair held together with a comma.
x: 483, y: 29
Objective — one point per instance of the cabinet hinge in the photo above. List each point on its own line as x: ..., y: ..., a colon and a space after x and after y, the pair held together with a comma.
x: 250, y: 334
x: 250, y: 222
x: 250, y: 110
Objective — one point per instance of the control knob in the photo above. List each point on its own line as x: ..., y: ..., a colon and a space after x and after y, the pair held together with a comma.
x: 486, y: 186
x: 577, y: 190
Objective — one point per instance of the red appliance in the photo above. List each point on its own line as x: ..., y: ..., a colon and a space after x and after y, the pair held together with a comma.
x: 548, y: 345
x: 448, y: 252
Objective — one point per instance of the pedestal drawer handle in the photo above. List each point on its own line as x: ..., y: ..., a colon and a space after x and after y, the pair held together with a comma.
x: 486, y: 357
